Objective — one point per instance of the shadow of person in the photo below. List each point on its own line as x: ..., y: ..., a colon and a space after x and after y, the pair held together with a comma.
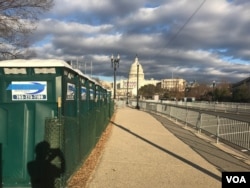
x: 48, y: 165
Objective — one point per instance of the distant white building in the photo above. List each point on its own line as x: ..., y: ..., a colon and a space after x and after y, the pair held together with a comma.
x: 130, y: 85
x: 177, y: 84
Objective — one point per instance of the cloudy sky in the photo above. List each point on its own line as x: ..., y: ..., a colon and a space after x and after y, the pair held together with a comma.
x: 202, y: 40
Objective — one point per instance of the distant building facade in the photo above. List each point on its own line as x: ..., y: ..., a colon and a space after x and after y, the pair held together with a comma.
x: 174, y: 84
x: 129, y: 86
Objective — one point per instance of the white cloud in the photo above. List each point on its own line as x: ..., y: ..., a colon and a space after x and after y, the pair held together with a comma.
x: 95, y: 29
x: 61, y: 27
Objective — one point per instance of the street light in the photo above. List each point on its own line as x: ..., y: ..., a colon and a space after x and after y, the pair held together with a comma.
x: 137, y: 96
x: 115, y: 64
x: 213, y: 90
x: 127, y: 90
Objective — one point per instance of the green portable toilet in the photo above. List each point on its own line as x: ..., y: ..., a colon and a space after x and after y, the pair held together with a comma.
x: 33, y: 94
x: 29, y: 90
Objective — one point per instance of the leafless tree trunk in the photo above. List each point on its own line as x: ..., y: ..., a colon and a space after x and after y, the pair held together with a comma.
x: 17, y: 19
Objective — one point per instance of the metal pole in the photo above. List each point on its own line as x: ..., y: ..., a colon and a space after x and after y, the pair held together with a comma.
x: 127, y: 91
x: 213, y: 98
x: 114, y: 63
x: 114, y: 80
x: 137, y: 96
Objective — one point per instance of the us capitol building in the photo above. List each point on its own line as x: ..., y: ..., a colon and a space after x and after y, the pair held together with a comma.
x: 130, y: 85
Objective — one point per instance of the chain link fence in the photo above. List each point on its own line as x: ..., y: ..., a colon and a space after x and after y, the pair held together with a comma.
x: 75, y: 137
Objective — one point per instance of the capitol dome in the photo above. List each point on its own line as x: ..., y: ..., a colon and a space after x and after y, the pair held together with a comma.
x: 133, y: 70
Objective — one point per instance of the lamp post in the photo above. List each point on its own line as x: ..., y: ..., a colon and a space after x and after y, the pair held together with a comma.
x: 127, y: 90
x: 115, y: 64
x: 137, y: 88
x: 213, y: 90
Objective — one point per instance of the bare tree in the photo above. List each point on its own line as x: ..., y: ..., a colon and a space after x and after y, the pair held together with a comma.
x: 17, y: 19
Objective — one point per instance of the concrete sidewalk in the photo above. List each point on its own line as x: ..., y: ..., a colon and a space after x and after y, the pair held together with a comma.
x: 142, y: 153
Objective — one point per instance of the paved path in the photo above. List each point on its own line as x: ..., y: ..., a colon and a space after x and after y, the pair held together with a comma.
x: 142, y: 153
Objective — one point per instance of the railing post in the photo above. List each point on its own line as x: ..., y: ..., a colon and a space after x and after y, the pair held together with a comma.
x: 218, y: 130
x: 199, y: 120
x: 186, y: 119
x: 248, y: 142
x: 161, y: 109
x: 170, y: 111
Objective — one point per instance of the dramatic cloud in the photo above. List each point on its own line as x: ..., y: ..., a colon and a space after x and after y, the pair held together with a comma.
x: 194, y: 40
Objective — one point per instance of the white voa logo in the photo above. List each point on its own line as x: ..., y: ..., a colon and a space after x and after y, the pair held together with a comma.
x: 236, y: 179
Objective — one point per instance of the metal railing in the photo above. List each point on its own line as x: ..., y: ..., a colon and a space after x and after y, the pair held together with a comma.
x: 236, y: 132
x: 214, y: 106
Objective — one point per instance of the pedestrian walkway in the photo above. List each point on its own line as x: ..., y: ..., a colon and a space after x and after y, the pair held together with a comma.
x: 142, y: 153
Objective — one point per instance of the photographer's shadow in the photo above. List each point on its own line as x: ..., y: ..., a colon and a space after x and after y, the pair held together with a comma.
x: 48, y: 165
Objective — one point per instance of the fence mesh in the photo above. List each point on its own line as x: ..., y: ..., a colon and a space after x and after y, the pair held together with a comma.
x: 75, y: 137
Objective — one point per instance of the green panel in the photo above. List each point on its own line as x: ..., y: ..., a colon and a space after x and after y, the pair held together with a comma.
x: 1, y: 169
x: 3, y: 137
x: 84, y: 121
x: 3, y: 127
x: 15, y: 147
x: 22, y: 126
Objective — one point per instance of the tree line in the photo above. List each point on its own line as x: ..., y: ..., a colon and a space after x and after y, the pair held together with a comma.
x: 222, y: 92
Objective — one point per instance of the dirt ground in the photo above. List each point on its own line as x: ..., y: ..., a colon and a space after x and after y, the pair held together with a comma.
x: 81, y: 177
